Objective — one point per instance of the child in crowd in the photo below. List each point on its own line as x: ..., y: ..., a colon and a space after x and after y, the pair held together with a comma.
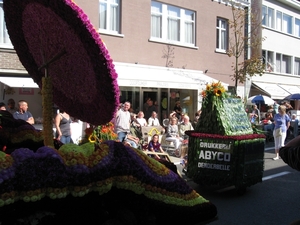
x: 155, y: 146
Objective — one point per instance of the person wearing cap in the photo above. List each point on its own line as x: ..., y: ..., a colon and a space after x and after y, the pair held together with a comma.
x: 2, y: 106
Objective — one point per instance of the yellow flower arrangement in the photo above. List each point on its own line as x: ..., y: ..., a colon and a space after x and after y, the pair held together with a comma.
x: 213, y: 93
x: 214, y: 89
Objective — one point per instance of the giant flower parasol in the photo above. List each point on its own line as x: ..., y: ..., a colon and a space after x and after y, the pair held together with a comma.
x: 55, y: 38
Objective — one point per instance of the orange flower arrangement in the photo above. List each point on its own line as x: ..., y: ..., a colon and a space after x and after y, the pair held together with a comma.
x: 101, y: 133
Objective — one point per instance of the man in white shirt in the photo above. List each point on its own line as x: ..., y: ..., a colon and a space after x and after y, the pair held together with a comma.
x: 153, y: 121
x: 122, y: 121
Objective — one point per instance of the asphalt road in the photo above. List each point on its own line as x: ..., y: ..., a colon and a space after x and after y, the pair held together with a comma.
x: 274, y: 201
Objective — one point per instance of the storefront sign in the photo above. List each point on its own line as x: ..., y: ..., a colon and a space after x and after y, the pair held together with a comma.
x: 138, y: 83
x: 215, y: 155
x: 162, y: 84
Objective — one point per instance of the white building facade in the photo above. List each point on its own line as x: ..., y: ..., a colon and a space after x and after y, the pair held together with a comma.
x: 280, y: 49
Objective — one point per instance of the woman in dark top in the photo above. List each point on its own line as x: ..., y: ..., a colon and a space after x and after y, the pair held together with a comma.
x: 63, y: 127
x: 155, y: 146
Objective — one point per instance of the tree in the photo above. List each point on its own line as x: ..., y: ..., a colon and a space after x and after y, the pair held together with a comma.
x: 168, y: 54
x: 242, y: 40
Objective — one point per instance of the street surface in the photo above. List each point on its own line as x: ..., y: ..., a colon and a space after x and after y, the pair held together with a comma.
x: 275, y: 201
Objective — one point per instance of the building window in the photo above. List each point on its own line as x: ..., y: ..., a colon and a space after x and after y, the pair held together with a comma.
x: 284, y: 22
x: 172, y: 24
x: 189, y: 27
x: 156, y: 20
x: 264, y: 15
x: 222, y: 34
x: 268, y: 59
x: 109, y: 17
x: 297, y: 27
x: 287, y: 24
x: 4, y: 37
x: 268, y: 17
x: 278, y: 20
x: 297, y: 66
x: 283, y: 63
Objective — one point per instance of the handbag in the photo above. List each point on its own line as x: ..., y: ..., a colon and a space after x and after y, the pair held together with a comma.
x: 278, y: 132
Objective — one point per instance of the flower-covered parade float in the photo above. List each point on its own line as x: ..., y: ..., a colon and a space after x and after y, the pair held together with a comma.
x: 101, y: 181
x: 223, y: 150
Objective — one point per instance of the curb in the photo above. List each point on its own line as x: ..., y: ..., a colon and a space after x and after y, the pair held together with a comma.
x: 269, y: 148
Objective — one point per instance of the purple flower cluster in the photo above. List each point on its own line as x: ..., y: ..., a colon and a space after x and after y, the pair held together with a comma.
x: 6, y: 174
x: 45, y: 169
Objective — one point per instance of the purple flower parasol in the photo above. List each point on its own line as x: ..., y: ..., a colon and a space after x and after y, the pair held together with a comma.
x: 58, y: 35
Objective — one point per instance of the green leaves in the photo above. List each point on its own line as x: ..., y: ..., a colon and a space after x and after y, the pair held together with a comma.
x: 224, y: 116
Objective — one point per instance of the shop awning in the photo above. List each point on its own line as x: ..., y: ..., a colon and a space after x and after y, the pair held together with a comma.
x: 161, y: 77
x: 139, y: 76
x: 274, y: 90
x: 290, y: 88
x: 18, y: 82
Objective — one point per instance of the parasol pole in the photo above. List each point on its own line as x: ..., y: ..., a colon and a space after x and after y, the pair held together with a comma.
x: 47, y: 101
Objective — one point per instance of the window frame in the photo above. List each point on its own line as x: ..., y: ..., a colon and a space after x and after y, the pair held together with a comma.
x: 279, y: 20
x: 297, y: 27
x: 219, y: 31
x: 279, y: 66
x: 296, y: 66
x: 110, y: 20
x: 289, y: 28
x: 268, y: 17
x: 268, y: 58
x: 285, y: 23
x: 4, y: 33
x: 176, y: 16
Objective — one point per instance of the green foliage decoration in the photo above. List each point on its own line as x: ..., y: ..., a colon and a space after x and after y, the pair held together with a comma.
x: 222, y: 114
